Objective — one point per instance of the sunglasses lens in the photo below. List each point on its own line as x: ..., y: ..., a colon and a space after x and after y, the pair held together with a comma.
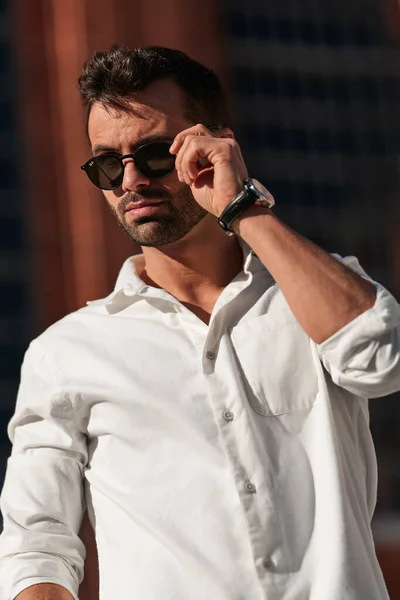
x: 154, y: 160
x: 105, y: 172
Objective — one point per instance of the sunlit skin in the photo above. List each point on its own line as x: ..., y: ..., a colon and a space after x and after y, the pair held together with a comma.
x: 174, y: 211
x: 185, y: 250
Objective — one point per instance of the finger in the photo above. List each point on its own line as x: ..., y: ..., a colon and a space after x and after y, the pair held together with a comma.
x: 193, y: 162
x: 193, y: 156
x: 200, y: 152
x: 198, y: 130
x: 180, y: 153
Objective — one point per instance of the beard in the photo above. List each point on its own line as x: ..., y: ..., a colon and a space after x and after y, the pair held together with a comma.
x: 180, y: 213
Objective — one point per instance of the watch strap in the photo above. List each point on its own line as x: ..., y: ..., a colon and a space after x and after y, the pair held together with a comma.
x: 235, y: 208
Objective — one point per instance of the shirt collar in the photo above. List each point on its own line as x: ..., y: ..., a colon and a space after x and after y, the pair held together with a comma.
x: 129, y: 274
x: 128, y: 286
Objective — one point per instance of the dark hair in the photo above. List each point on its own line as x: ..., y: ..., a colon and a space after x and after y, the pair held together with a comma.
x: 114, y: 76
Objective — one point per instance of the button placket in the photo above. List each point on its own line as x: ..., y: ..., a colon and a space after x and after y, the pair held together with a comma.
x: 227, y: 397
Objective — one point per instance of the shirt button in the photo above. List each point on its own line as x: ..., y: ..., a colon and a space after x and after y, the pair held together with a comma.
x: 268, y: 564
x: 129, y: 289
x: 228, y: 415
x: 210, y: 355
x: 177, y: 308
x: 250, y: 487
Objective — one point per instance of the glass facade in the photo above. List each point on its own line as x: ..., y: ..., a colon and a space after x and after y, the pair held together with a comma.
x: 14, y: 267
x: 315, y: 93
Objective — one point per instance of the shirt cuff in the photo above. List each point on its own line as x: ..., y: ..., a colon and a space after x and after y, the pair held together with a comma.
x: 355, y: 344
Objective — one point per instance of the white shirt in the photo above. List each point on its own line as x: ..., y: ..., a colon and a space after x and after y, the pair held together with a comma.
x: 229, y: 461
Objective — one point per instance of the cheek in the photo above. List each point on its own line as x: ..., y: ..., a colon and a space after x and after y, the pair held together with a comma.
x: 170, y: 181
x: 173, y: 185
x: 112, y: 198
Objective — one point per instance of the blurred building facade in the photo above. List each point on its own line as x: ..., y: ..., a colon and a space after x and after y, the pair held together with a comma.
x: 315, y: 93
x: 15, y: 300
x: 317, y: 101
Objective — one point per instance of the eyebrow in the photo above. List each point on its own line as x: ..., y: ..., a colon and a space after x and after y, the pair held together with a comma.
x: 145, y: 140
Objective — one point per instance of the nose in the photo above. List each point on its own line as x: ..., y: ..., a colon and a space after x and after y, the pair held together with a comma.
x: 133, y: 179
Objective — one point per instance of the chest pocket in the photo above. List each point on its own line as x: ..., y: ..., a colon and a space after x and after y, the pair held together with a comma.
x: 275, y: 358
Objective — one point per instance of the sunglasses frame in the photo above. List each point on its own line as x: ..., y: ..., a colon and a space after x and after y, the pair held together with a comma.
x: 120, y: 159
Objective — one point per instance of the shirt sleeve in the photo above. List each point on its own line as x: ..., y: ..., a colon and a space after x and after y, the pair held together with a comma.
x: 364, y: 356
x: 42, y: 500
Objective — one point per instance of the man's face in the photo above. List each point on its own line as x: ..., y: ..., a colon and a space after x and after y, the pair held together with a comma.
x: 157, y: 113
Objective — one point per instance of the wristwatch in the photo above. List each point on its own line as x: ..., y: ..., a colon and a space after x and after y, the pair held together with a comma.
x: 253, y: 193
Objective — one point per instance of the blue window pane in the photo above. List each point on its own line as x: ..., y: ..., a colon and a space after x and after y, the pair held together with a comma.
x: 7, y: 116
x: 261, y: 27
x: 375, y: 143
x: 323, y: 142
x: 291, y: 85
x: 307, y: 193
x: 8, y: 173
x: 308, y: 32
x: 332, y: 34
x: 5, y: 416
x: 359, y: 34
x: 315, y: 87
x: 267, y: 83
x: 255, y: 136
x: 13, y: 298
x: 299, y: 141
x: 10, y: 362
x: 284, y: 191
x: 244, y: 81
x: 333, y: 195
x: 236, y: 25
x: 285, y: 30
x: 275, y: 138
x: 5, y: 59
x: 10, y: 233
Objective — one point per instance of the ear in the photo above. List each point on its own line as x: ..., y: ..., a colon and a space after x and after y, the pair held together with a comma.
x: 225, y: 133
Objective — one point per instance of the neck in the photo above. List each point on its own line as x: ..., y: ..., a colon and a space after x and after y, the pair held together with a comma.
x: 198, y: 267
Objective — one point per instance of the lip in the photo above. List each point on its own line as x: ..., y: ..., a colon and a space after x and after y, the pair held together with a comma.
x: 144, y: 208
x: 141, y: 204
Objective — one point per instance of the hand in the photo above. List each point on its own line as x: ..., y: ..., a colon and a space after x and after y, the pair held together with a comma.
x: 212, y: 165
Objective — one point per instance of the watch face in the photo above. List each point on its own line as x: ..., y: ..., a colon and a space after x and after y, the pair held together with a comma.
x: 261, y: 191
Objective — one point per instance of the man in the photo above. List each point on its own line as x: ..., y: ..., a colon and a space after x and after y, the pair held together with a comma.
x: 211, y: 412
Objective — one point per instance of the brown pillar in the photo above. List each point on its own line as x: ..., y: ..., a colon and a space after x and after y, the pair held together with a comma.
x: 77, y: 248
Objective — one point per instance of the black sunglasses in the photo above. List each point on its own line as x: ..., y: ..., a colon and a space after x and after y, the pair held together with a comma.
x: 152, y: 160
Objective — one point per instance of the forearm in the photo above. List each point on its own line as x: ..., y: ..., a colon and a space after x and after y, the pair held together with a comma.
x: 45, y: 591
x: 323, y: 294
